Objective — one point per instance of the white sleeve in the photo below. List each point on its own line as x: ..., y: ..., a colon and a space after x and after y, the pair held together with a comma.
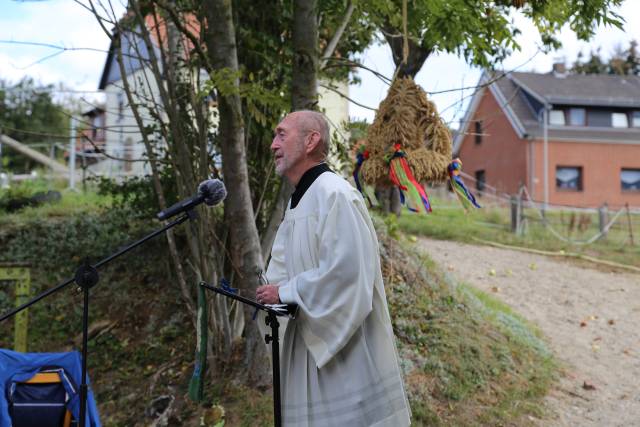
x: 336, y: 297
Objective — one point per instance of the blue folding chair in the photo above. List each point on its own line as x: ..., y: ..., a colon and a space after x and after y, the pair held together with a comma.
x: 40, y: 390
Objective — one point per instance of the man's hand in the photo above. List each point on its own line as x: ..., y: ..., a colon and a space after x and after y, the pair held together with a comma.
x: 268, y: 294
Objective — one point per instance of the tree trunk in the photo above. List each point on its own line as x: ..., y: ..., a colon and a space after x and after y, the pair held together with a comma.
x: 304, y: 93
x: 396, y: 205
x: 304, y: 83
x: 245, y: 251
x: 417, y: 53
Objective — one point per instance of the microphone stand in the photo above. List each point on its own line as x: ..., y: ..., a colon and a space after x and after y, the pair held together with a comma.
x: 86, y: 277
x: 271, y: 321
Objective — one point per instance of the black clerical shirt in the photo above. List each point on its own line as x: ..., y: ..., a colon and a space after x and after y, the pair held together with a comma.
x: 306, y: 180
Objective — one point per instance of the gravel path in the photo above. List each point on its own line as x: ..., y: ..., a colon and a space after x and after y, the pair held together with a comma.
x: 591, y: 320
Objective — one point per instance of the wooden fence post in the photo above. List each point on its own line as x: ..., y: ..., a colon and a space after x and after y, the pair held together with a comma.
x: 603, y: 220
x: 516, y: 209
x: 626, y: 205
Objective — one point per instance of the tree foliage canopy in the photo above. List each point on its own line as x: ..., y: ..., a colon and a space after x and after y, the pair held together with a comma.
x: 29, y: 114
x: 483, y: 31
x: 621, y: 62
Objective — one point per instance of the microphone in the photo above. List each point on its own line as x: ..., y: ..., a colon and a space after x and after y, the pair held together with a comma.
x: 211, y: 192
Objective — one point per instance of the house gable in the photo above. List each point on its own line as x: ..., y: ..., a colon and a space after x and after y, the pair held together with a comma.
x: 491, y: 149
x: 505, y: 101
x: 134, y: 55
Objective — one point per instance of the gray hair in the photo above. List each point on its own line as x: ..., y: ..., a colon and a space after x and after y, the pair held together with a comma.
x: 315, y: 121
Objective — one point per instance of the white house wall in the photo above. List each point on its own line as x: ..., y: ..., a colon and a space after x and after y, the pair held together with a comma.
x: 336, y: 108
x: 123, y: 138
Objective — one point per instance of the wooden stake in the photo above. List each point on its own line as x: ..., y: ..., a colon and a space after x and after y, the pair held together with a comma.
x: 626, y: 205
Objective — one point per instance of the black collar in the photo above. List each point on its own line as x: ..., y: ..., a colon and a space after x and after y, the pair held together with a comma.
x: 305, y: 182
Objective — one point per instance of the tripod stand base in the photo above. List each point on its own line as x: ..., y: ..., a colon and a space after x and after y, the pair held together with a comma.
x: 274, y: 340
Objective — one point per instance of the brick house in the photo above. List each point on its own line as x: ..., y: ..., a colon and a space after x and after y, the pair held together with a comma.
x: 586, y: 127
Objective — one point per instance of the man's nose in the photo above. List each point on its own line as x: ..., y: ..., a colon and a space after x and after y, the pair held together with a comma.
x: 274, y: 144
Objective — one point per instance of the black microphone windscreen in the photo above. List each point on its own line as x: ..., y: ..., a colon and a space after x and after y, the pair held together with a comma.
x: 213, y: 191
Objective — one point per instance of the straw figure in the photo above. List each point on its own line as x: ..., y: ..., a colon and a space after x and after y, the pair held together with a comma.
x: 407, y: 144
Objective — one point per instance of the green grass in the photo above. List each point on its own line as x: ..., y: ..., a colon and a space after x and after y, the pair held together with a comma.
x: 449, y: 222
x: 522, y: 334
x: 71, y: 202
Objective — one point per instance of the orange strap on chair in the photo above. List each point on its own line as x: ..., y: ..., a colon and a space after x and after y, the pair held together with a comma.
x: 44, y: 378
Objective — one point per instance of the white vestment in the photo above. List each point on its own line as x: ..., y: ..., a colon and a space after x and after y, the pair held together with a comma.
x: 339, y: 365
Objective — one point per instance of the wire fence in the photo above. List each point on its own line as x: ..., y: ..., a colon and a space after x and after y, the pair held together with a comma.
x: 572, y: 225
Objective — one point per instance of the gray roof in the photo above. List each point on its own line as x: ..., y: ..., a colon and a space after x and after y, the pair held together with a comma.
x: 522, y: 95
x: 580, y: 90
x: 600, y: 90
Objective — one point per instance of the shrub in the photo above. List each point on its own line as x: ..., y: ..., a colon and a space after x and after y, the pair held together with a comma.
x: 27, y: 193
x: 137, y: 194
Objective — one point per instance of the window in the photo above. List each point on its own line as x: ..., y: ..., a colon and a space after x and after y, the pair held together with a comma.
x: 619, y: 120
x: 556, y: 117
x: 99, y: 121
x: 569, y: 178
x: 478, y: 132
x: 480, y: 180
x: 630, y: 179
x: 599, y: 118
x: 577, y: 117
x: 635, y: 119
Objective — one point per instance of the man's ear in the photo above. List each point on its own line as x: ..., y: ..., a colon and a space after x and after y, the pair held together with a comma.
x: 312, y: 142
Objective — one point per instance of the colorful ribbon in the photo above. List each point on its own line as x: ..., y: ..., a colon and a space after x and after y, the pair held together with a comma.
x: 361, y: 156
x: 411, y: 191
x: 465, y: 196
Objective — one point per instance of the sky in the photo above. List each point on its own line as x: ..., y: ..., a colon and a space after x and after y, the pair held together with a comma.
x: 66, y: 23
x: 61, y: 23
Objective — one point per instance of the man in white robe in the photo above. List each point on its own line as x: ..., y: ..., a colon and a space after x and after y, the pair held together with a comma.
x: 339, y: 365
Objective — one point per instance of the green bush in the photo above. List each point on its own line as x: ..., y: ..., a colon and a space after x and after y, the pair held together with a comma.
x: 137, y: 194
x: 21, y: 193
x: 58, y: 244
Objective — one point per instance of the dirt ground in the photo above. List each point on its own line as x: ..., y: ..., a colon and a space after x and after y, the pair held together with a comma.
x: 591, y: 319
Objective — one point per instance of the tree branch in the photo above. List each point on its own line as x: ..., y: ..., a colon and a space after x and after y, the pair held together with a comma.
x: 157, y: 185
x: 91, y: 8
x: 346, y: 97
x: 185, y: 31
x: 333, y: 43
x: 352, y: 63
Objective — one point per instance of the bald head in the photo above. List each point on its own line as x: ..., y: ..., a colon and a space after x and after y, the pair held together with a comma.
x: 301, y: 141
x: 309, y: 121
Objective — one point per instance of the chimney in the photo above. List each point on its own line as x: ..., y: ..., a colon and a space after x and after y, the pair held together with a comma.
x: 559, y: 69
